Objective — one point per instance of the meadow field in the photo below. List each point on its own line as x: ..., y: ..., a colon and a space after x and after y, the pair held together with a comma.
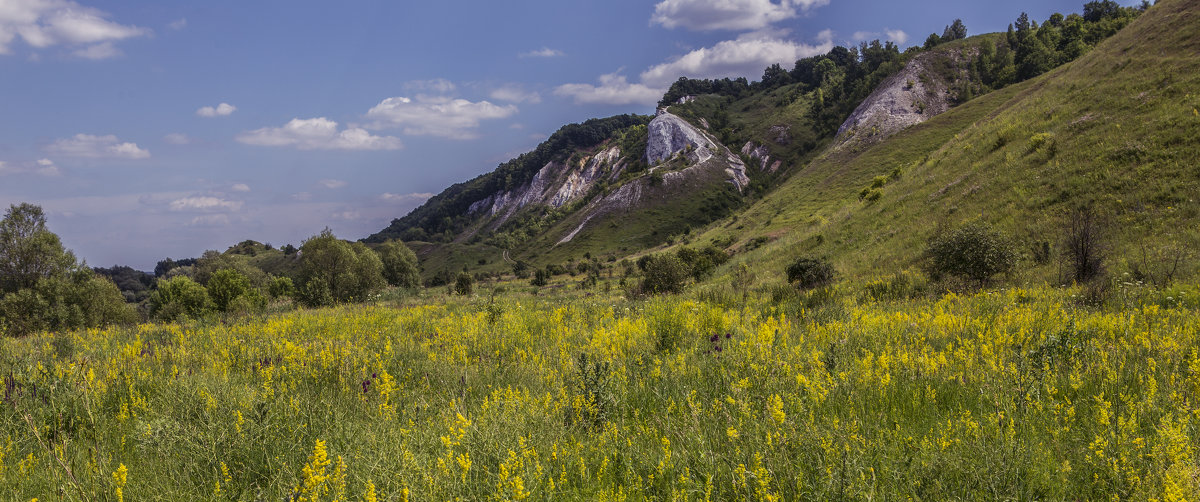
x: 836, y: 394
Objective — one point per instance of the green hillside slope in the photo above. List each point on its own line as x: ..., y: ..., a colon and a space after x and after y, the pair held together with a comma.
x: 1115, y: 130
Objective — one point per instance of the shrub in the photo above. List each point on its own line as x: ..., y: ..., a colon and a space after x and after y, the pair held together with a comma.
x: 400, y: 266
x: 808, y: 273
x: 225, y: 285
x: 464, y: 284
x: 540, y: 278
x: 179, y: 298
x: 664, y: 273
x: 345, y: 271
x: 65, y: 302
x: 1085, y: 245
x: 282, y: 287
x: 973, y: 251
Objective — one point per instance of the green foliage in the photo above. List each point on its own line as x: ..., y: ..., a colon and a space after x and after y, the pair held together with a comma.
x: 65, y: 302
x: 464, y: 284
x: 594, y: 384
x: 227, y: 286
x: 702, y: 262
x: 663, y: 273
x: 179, y: 298
x: 42, y: 287
x: 808, y: 273
x: 29, y: 252
x: 973, y: 251
x: 336, y: 271
x: 134, y: 284
x: 282, y: 287
x: 541, y: 277
x: 400, y: 267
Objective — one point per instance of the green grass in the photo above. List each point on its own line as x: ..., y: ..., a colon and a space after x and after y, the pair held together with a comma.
x: 1113, y: 130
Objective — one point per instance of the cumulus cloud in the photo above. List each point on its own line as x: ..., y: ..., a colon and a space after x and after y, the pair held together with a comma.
x: 177, y: 138
x: 613, y: 89
x: 318, y: 134
x: 436, y: 116
x: 544, y: 52
x: 204, y: 204
x: 404, y: 197
x: 745, y: 56
x: 87, y: 145
x: 898, y: 36
x: 47, y: 23
x: 46, y: 167
x: 515, y: 94
x: 240, y: 187
x: 221, y: 110
x: 332, y: 184
x: 740, y: 15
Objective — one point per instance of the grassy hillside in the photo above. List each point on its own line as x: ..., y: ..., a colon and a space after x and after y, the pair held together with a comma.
x: 1114, y: 130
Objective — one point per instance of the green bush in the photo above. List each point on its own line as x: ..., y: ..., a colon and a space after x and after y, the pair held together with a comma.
x: 282, y: 287
x: 400, y: 267
x: 973, y: 251
x: 663, y: 273
x: 179, y: 298
x: 540, y: 278
x: 464, y: 284
x: 225, y: 285
x: 333, y: 270
x: 808, y: 273
x: 60, y: 303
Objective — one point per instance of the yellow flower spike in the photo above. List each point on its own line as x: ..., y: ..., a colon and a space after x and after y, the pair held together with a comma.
x: 120, y: 477
x: 369, y: 494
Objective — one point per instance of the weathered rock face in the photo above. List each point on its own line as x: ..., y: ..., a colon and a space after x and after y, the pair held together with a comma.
x: 555, y: 184
x: 911, y: 96
x: 669, y: 134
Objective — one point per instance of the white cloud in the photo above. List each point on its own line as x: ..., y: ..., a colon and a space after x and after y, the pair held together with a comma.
x: 177, y: 138
x: 204, y: 204
x: 349, y: 215
x: 47, y: 23
x: 42, y: 167
x: 209, y: 221
x: 302, y: 196
x: 708, y: 15
x: 87, y: 145
x: 240, y: 187
x: 515, y: 94
x: 332, y: 184
x: 436, y: 116
x: 221, y: 110
x: 438, y: 85
x: 318, y: 134
x: 544, y: 52
x: 745, y: 56
x: 614, y: 89
x: 178, y: 24
x: 404, y: 197
x: 46, y: 167
x: 99, y: 51
x: 898, y: 36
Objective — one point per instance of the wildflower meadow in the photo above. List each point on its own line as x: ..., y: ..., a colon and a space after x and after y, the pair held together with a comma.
x: 1024, y: 393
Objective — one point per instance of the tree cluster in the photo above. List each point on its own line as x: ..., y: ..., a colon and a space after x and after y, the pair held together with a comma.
x: 42, y: 285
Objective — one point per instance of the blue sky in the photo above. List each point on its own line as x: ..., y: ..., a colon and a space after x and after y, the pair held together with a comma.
x: 149, y: 129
